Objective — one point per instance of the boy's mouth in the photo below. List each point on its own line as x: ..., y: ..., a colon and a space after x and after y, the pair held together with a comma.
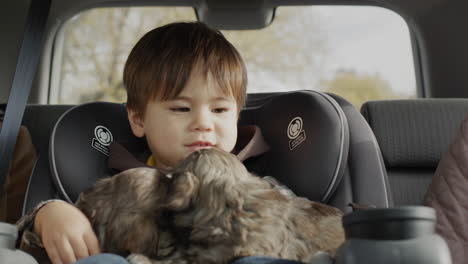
x: 200, y: 145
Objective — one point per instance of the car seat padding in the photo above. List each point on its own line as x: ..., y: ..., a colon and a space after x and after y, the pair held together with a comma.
x: 306, y: 131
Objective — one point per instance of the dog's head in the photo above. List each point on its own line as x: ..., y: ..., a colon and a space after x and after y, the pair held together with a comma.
x: 207, y: 178
x: 207, y: 192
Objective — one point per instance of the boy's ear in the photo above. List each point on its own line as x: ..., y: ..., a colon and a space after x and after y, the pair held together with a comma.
x: 136, y: 122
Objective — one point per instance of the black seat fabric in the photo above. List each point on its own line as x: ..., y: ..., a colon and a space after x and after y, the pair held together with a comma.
x: 79, y: 145
x: 40, y: 120
x: 308, y: 133
x: 366, y: 180
x: 413, y: 135
x: 298, y: 134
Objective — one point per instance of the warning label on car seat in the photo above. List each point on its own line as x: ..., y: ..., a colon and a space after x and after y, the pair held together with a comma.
x: 102, y: 139
x: 295, y: 133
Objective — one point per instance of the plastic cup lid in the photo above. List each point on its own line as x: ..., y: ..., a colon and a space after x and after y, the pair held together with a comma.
x: 386, y: 214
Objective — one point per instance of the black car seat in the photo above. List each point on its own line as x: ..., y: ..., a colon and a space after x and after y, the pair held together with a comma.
x: 413, y: 135
x: 314, y: 148
x: 367, y: 176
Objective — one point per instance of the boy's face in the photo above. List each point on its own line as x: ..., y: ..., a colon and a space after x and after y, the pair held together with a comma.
x: 201, y: 116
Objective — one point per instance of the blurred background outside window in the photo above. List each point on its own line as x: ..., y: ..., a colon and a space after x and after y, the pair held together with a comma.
x: 361, y: 53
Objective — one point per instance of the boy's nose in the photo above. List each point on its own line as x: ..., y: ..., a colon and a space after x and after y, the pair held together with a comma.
x: 202, y: 122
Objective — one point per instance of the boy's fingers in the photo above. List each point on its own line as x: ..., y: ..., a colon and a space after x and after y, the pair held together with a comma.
x: 92, y: 243
x: 79, y: 248
x: 53, y: 255
x: 65, y: 250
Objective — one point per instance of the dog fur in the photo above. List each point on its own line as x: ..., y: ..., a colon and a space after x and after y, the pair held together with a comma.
x: 210, y: 210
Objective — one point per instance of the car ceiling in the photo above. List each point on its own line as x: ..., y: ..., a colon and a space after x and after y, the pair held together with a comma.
x: 438, y: 28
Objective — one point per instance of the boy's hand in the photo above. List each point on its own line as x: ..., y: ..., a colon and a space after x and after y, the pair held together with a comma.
x: 66, y: 233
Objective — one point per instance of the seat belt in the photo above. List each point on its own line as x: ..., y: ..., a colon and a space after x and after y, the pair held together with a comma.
x: 26, y: 67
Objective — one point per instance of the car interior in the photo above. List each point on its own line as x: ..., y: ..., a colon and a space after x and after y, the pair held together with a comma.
x: 380, y: 154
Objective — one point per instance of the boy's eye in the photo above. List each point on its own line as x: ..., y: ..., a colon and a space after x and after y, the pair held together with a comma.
x: 220, y: 110
x: 180, y: 109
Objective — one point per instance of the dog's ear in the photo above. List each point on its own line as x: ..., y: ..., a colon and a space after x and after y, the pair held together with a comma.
x: 182, y: 189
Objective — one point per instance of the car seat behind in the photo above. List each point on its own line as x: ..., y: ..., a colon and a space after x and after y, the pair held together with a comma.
x: 413, y: 135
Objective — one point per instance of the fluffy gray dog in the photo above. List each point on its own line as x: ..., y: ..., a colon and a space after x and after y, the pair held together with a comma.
x: 210, y: 209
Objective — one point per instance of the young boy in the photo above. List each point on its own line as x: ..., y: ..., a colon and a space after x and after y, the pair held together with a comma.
x: 186, y: 85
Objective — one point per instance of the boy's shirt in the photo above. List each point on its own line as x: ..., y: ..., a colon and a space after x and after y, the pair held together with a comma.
x: 250, y: 144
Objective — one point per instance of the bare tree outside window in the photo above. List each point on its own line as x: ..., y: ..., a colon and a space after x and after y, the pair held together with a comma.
x: 97, y: 43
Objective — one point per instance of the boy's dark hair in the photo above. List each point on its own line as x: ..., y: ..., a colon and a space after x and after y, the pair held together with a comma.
x: 160, y: 64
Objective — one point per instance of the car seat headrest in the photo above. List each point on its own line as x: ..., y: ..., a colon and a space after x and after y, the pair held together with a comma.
x: 414, y: 133
x: 308, y: 136
x: 79, y: 145
x: 307, y: 133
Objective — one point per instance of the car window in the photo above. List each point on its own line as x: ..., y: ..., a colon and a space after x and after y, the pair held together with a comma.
x: 361, y: 53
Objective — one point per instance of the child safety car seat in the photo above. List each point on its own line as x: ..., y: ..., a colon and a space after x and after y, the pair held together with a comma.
x: 320, y: 147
